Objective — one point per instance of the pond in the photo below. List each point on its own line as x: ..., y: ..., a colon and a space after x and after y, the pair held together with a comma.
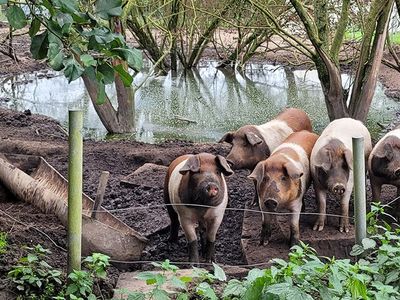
x: 197, y: 105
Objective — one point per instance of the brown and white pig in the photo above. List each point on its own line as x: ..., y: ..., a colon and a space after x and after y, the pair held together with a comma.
x: 254, y: 143
x: 384, y: 163
x: 282, y: 179
x: 332, y: 166
x: 199, y: 180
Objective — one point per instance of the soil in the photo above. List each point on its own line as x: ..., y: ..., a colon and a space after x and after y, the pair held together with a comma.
x: 25, y: 225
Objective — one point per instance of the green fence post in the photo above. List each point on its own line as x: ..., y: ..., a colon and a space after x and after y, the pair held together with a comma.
x: 360, y: 209
x: 75, y: 165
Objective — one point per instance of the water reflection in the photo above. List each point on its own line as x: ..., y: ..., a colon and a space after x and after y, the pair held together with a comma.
x: 197, y: 105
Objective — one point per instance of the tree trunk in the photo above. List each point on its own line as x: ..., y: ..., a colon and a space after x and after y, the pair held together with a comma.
x: 370, y: 59
x: 122, y: 119
x: 331, y: 81
x: 172, y: 25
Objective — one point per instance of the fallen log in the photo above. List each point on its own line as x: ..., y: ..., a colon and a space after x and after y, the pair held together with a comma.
x: 32, y: 179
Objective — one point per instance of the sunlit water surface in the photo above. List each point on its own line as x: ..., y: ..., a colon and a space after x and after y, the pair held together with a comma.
x: 198, y: 106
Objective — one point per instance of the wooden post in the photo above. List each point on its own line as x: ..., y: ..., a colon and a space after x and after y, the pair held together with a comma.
x: 360, y: 210
x: 75, y: 164
x: 101, y: 189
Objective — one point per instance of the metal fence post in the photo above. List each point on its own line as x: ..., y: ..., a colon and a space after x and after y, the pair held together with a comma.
x: 360, y: 210
x: 75, y: 165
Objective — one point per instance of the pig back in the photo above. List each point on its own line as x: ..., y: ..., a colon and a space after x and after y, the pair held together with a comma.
x: 296, y: 119
x: 343, y: 130
x: 378, y: 150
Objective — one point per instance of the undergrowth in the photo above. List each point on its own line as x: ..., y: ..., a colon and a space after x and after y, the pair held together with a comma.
x: 35, y: 279
x: 374, y: 273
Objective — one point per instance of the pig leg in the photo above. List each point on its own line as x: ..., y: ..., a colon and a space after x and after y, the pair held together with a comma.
x: 190, y: 233
x: 212, y: 225
x: 321, y: 199
x: 344, y: 225
x: 174, y: 227
x: 376, y: 188
x: 266, y: 229
x: 294, y: 227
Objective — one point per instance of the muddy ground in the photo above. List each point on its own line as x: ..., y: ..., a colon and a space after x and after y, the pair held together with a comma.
x: 26, y: 225
x: 33, y: 134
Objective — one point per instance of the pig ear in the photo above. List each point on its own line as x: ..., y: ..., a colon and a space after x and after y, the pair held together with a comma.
x: 226, y: 169
x: 253, y: 138
x: 323, y: 160
x: 258, y: 173
x: 192, y: 165
x: 228, y: 137
x: 348, y: 155
x: 293, y: 171
x: 388, y: 151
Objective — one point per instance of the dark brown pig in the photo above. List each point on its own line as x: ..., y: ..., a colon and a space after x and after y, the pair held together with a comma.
x: 282, y: 179
x: 332, y: 166
x: 254, y: 143
x: 197, y: 180
x: 384, y: 163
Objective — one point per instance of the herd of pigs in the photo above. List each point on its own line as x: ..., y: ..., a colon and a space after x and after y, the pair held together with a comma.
x: 284, y: 156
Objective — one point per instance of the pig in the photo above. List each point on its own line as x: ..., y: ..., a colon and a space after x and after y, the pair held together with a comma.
x: 254, y: 143
x: 384, y: 163
x: 197, y: 180
x: 332, y: 166
x: 282, y: 179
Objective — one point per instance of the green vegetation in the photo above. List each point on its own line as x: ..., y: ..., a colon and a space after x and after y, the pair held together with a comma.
x: 374, y: 273
x: 357, y: 35
x: 35, y: 279
x: 3, y: 242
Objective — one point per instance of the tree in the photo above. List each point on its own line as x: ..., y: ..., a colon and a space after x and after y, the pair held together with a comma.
x: 324, y: 43
x: 87, y: 41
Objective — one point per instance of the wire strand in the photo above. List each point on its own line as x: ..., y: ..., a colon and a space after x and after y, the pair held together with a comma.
x: 214, y: 207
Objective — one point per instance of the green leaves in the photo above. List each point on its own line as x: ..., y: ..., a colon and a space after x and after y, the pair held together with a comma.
x: 108, y: 8
x: 35, y: 26
x: 124, y: 75
x: 39, y: 45
x: 77, y: 41
x: 73, y: 70
x: 16, y: 17
x: 219, y: 273
x: 132, y: 56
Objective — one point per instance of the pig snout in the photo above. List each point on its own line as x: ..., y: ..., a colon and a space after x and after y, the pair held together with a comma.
x: 338, y: 189
x: 271, y: 204
x: 212, y: 189
x: 233, y: 161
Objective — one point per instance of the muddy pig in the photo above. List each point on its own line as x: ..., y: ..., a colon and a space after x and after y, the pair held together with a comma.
x: 197, y: 180
x: 384, y: 163
x: 332, y: 166
x: 254, y: 143
x: 282, y: 179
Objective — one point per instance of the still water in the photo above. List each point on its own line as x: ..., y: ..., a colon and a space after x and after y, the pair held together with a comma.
x: 199, y: 105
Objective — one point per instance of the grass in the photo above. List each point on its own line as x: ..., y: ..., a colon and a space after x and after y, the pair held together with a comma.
x: 356, y: 35
x: 3, y: 242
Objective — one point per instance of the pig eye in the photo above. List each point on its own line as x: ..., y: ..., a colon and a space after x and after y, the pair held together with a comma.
x: 283, y: 178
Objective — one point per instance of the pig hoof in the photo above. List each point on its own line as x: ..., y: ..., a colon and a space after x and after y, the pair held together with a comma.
x: 344, y: 228
x: 318, y: 227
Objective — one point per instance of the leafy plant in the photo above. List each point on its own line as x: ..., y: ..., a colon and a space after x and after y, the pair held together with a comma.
x: 305, y: 275
x: 186, y: 287
x: 3, y: 242
x: 34, y: 277
x: 77, y: 39
x: 80, y: 284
